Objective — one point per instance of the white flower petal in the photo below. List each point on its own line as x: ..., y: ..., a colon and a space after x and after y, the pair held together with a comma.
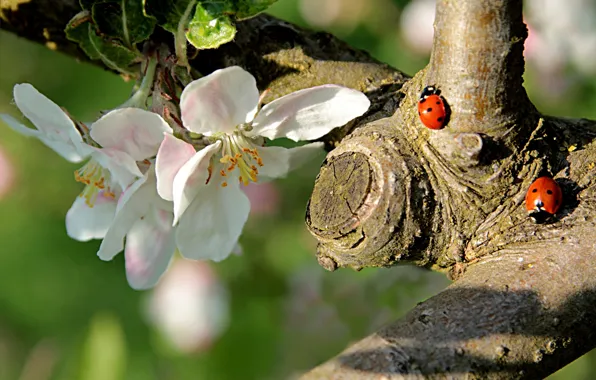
x: 84, y: 223
x: 150, y: 245
x: 172, y: 154
x: 191, y: 178
x: 220, y: 101
x: 132, y: 205
x: 122, y: 167
x: 136, y: 202
x: 66, y: 149
x: 46, y: 115
x: 211, y: 226
x: 19, y: 127
x: 310, y: 113
x: 131, y: 130
x: 278, y: 161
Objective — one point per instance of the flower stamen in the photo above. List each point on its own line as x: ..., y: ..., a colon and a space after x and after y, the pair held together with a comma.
x: 210, y: 171
x: 96, y: 179
x: 239, y: 152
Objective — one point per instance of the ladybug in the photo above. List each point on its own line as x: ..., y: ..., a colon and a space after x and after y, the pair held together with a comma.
x: 543, y: 199
x: 432, y: 108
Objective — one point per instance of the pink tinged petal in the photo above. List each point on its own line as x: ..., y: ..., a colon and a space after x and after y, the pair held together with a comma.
x: 210, y: 228
x: 150, y: 245
x: 66, y: 149
x: 136, y: 202
x: 46, y: 115
x: 172, y: 154
x: 310, y: 113
x: 278, y: 161
x: 190, y: 305
x: 132, y: 205
x: 131, y: 130
x: 220, y: 101
x: 84, y: 223
x: 192, y: 178
x: 122, y: 167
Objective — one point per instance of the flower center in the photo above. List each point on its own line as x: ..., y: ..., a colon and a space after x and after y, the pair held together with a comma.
x: 240, y: 152
x: 97, y: 179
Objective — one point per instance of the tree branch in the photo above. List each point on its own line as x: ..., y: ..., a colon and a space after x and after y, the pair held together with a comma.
x: 519, y: 316
x: 477, y: 59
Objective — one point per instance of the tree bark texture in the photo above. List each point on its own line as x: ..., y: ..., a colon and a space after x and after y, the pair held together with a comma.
x: 393, y: 191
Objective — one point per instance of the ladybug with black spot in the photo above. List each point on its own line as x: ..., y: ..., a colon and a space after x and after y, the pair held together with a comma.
x: 543, y: 199
x: 432, y: 108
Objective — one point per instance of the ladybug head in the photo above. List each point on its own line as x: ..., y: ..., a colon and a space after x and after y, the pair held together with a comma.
x: 428, y: 91
x: 539, y: 216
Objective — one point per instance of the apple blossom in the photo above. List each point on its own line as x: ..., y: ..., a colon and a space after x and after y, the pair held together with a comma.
x: 116, y: 201
x: 190, y: 306
x: 209, y: 208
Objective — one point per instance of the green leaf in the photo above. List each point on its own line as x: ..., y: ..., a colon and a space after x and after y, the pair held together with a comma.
x: 169, y: 13
x: 174, y: 16
x: 115, y: 55
x: 248, y: 8
x: 112, y: 53
x: 123, y: 19
x: 77, y: 30
x: 210, y: 25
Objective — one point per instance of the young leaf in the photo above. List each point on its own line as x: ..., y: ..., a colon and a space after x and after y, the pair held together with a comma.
x: 123, y: 19
x: 174, y: 16
x: 248, y: 8
x: 210, y: 25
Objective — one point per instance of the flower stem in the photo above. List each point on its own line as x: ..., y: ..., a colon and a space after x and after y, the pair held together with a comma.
x: 139, y: 99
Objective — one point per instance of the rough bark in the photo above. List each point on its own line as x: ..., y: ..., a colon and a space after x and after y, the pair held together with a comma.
x: 522, y: 305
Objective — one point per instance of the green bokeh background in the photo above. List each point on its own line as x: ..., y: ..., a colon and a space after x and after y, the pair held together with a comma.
x: 68, y: 315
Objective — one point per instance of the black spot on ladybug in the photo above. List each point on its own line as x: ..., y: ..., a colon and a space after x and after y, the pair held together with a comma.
x: 440, y: 119
x: 535, y: 190
x: 422, y: 100
x: 556, y: 202
x: 429, y: 109
x: 549, y: 192
x: 438, y: 102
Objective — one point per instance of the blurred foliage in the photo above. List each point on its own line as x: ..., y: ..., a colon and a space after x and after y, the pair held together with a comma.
x: 64, y: 314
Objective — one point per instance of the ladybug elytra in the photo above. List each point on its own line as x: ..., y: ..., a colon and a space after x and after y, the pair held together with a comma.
x: 432, y: 108
x: 544, y: 198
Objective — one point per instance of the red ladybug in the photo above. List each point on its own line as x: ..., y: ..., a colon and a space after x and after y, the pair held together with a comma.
x: 543, y: 197
x: 432, y: 109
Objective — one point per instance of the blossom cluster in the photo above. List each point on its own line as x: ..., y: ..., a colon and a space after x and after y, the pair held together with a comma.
x: 152, y: 188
